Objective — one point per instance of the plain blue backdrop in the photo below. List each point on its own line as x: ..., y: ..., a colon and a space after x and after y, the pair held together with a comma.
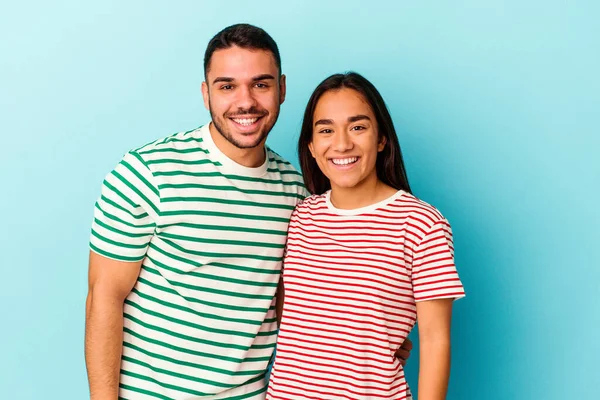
x: 497, y: 106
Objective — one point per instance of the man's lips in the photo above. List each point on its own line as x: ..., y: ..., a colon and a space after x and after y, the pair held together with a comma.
x: 245, y: 120
x: 246, y: 123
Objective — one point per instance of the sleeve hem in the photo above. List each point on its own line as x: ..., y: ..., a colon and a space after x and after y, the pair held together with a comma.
x: 116, y: 257
x: 441, y: 297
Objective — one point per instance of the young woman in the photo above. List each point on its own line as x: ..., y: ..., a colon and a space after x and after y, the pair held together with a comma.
x: 365, y: 260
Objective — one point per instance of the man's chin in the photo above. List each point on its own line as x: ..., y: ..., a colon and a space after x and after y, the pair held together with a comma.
x: 248, y: 144
x: 247, y: 140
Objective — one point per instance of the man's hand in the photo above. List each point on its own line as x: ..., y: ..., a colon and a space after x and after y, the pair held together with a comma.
x: 403, y: 352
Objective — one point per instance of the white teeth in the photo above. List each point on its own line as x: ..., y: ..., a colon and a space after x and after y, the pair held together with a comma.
x: 344, y: 161
x: 245, y: 121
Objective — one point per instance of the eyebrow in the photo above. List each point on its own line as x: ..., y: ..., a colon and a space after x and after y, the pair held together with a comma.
x: 354, y: 118
x: 324, y: 122
x: 263, y: 77
x: 358, y: 118
x: 227, y: 79
x: 222, y: 79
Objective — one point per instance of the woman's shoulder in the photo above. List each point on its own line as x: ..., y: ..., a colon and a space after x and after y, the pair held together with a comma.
x: 311, y: 204
x: 419, y: 208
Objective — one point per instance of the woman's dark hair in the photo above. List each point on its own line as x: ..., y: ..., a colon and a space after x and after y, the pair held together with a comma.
x: 245, y: 36
x: 389, y: 165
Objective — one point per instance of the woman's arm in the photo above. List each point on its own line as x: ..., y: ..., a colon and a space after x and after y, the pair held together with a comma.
x: 433, y: 318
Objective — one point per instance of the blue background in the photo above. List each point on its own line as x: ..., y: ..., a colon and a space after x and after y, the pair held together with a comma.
x: 497, y: 106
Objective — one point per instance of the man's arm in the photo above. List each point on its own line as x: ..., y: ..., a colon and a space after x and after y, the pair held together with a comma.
x: 434, y: 318
x: 110, y: 282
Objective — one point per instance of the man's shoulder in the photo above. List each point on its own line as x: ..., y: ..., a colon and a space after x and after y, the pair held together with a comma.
x: 174, y: 143
x: 276, y: 157
x: 282, y: 170
x: 280, y: 163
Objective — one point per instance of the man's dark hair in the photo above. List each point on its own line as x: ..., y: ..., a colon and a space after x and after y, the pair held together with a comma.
x: 245, y: 36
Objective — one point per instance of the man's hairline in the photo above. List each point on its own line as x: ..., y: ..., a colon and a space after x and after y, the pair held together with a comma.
x: 207, y: 70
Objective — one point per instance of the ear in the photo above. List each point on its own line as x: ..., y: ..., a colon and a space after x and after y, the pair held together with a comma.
x: 281, y: 89
x: 311, y: 149
x: 381, y: 144
x: 205, y: 95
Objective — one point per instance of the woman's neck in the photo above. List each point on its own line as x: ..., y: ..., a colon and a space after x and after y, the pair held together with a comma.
x: 364, y: 195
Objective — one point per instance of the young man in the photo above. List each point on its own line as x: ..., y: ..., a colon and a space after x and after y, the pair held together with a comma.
x: 187, y: 242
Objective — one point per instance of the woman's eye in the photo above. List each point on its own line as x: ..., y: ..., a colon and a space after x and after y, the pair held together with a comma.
x: 325, y: 131
x: 358, y: 128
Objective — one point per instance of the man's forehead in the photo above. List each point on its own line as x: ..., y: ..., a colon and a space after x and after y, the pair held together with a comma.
x: 239, y: 63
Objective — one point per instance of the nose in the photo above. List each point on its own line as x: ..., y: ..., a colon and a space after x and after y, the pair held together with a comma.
x: 245, y: 98
x: 342, y: 141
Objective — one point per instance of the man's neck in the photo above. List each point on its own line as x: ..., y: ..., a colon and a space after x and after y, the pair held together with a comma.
x: 251, y: 158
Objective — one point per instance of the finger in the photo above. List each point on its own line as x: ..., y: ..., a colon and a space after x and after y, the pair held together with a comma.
x: 402, y: 354
x: 407, y: 344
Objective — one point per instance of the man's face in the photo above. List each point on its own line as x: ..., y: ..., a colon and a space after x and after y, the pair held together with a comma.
x: 243, y: 93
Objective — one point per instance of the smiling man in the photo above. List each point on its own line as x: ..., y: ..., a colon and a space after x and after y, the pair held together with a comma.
x: 187, y: 243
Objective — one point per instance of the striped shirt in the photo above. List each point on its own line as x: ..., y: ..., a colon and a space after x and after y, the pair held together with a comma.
x: 200, y: 320
x: 352, y: 278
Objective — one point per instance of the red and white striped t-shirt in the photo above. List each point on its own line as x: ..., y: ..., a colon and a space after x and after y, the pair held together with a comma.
x: 352, y: 278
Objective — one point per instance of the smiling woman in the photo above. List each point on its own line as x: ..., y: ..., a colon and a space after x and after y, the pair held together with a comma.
x: 365, y: 260
x: 362, y: 109
x: 346, y: 142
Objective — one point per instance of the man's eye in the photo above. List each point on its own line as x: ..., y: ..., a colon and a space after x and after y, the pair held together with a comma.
x: 226, y: 87
x: 325, y: 131
x: 261, y: 85
x: 357, y: 128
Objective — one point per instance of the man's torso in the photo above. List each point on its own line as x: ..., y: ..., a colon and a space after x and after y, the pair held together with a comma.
x: 200, y: 321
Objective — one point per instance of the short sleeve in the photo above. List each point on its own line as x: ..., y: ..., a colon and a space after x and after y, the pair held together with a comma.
x: 434, y: 274
x: 126, y: 213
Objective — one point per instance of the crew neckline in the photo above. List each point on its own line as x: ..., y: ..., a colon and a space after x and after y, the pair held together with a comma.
x: 361, y: 210
x: 227, y: 163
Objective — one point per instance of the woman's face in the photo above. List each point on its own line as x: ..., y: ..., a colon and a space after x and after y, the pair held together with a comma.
x: 345, y: 139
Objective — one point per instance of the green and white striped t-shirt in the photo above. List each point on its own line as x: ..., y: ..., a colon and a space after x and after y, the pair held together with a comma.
x: 200, y: 321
